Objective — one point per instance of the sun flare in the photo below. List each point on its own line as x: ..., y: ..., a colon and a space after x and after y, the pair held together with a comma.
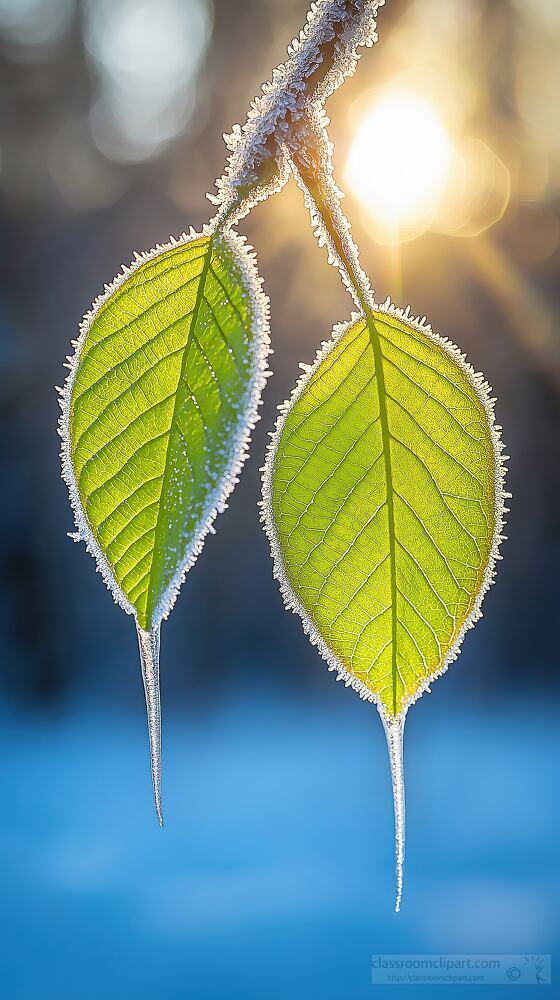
x: 398, y: 165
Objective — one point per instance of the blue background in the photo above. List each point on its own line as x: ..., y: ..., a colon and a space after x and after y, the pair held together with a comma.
x: 274, y: 874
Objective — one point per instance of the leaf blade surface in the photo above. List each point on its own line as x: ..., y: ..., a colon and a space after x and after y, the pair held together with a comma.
x: 383, y: 504
x: 157, y: 411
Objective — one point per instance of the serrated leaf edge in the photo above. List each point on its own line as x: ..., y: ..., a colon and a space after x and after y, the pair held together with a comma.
x: 239, y: 450
x: 290, y: 598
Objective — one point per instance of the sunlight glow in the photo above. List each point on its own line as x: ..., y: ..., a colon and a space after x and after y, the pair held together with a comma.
x: 398, y: 165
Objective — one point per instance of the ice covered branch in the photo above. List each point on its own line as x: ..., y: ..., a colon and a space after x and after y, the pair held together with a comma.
x: 325, y: 53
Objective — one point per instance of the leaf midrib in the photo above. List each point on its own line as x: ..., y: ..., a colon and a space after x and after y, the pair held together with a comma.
x: 375, y: 341
x: 166, y: 474
x: 386, y: 443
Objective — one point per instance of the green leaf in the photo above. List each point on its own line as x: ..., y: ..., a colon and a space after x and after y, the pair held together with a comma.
x: 157, y: 409
x: 156, y: 416
x: 383, y: 502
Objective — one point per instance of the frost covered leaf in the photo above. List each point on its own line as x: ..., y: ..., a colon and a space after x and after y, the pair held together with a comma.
x: 156, y: 415
x: 160, y: 395
x: 383, y: 504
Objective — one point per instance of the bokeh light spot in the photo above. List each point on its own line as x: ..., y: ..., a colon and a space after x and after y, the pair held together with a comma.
x: 30, y: 26
x: 477, y: 191
x: 147, y: 55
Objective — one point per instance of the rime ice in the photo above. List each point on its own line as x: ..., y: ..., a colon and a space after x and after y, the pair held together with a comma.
x: 148, y: 644
x: 394, y: 732
x: 325, y: 53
